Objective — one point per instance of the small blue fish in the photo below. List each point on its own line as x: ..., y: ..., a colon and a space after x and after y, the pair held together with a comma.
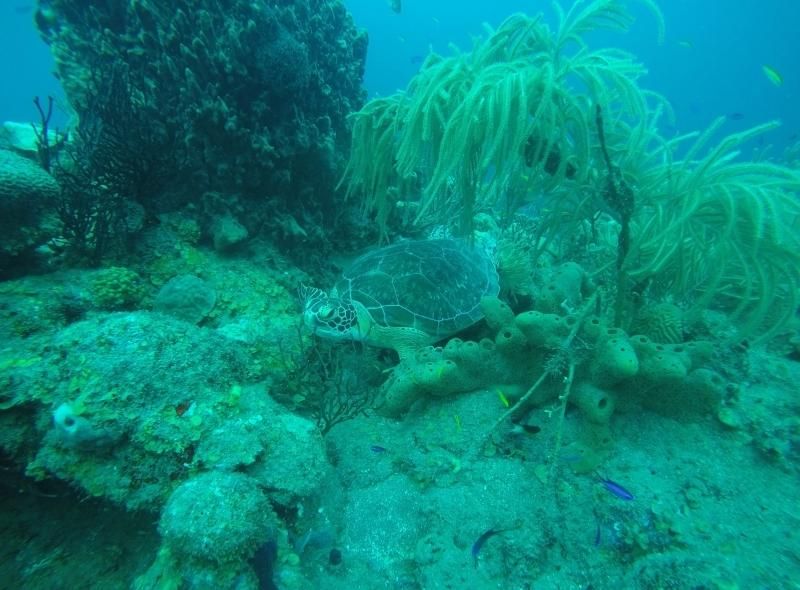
x: 616, y: 489
x: 377, y: 449
x: 476, y: 546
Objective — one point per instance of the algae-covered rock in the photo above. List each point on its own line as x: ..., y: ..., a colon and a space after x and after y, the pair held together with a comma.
x: 137, y: 391
x: 283, y: 452
x: 117, y: 288
x: 186, y: 297
x: 217, y: 516
x: 258, y: 92
x: 227, y: 233
x: 294, y: 463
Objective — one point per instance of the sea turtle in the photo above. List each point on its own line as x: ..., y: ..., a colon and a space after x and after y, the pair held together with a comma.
x: 405, y: 295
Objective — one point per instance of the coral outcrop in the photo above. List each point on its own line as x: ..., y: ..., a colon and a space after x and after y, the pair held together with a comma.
x: 28, y: 198
x: 233, y: 96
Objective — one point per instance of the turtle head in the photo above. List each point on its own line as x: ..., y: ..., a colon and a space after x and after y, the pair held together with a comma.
x: 330, y: 317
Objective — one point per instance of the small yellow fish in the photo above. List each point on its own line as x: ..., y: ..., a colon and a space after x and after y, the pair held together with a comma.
x: 686, y: 44
x: 503, y: 398
x: 457, y: 419
x: 772, y: 75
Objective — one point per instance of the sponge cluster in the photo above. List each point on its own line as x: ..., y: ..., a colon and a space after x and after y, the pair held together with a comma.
x: 518, y: 353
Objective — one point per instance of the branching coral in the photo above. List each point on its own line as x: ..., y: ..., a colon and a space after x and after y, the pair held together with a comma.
x: 485, y: 128
x: 716, y: 232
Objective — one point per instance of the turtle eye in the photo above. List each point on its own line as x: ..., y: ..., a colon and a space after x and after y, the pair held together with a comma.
x: 325, y: 312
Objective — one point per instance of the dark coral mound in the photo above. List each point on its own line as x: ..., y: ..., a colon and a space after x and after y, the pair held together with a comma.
x: 234, y: 96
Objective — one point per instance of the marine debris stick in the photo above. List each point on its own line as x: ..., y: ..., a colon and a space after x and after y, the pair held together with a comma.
x: 620, y: 197
x: 43, y: 134
x: 564, y: 397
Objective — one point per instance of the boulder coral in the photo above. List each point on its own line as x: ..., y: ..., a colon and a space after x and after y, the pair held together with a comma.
x: 28, y: 198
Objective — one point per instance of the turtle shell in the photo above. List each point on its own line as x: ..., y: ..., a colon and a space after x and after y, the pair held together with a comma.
x: 434, y: 286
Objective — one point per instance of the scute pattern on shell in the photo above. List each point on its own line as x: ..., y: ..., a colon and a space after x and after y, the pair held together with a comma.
x: 434, y: 286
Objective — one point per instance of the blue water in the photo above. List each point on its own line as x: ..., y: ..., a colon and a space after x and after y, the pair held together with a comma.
x: 709, y: 65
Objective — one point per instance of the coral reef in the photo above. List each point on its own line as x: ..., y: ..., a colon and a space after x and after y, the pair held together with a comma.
x: 235, y: 96
x: 533, y: 117
x: 622, y: 414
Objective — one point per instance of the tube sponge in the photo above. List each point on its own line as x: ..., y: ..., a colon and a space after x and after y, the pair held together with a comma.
x: 614, y: 360
x: 497, y: 313
x: 439, y: 378
x: 664, y: 362
x: 564, y: 289
x: 77, y: 431
x: 660, y: 362
x: 469, y: 354
x: 459, y: 367
x: 546, y: 330
x: 510, y: 341
x: 413, y: 381
x: 663, y: 367
x: 596, y: 405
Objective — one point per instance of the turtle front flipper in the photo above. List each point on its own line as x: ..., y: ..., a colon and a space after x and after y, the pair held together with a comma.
x: 406, y: 341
